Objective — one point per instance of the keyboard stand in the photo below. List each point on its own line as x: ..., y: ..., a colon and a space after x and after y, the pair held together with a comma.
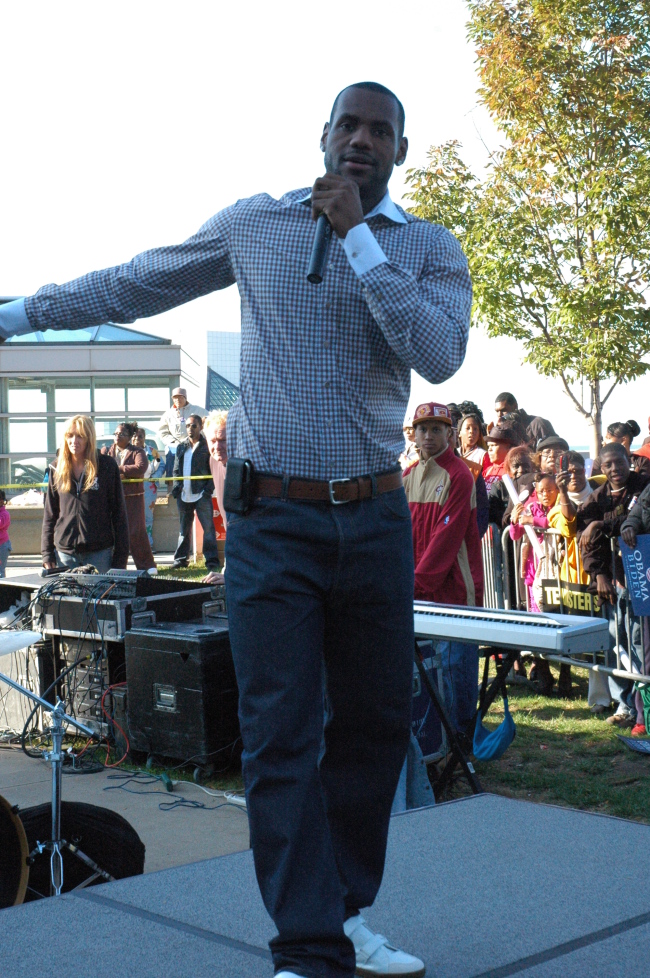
x: 489, y: 691
x: 457, y: 756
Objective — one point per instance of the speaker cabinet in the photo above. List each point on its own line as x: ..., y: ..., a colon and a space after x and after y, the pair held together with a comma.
x: 181, y: 691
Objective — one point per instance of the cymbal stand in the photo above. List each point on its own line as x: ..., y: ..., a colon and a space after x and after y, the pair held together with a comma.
x: 59, y: 721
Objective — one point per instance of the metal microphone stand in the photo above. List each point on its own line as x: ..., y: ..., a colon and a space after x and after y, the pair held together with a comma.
x: 55, y: 757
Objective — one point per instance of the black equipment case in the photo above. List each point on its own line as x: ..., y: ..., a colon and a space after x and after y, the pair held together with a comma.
x: 181, y: 691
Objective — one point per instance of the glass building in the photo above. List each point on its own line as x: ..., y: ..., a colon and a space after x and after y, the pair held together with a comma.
x: 109, y: 372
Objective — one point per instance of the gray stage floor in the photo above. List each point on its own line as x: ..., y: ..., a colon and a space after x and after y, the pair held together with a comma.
x: 485, y: 887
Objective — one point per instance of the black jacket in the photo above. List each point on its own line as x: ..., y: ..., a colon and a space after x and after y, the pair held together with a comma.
x: 638, y: 517
x: 536, y: 427
x: 92, y: 520
x: 200, y: 466
x: 609, y: 512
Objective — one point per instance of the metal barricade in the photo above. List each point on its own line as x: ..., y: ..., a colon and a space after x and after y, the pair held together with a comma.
x: 505, y: 588
x: 492, y: 554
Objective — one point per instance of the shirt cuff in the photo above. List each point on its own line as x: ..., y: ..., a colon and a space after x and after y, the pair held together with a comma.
x: 362, y: 249
x: 13, y: 319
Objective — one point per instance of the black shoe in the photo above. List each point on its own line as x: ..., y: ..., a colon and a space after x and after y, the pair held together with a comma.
x: 180, y: 563
x: 564, y: 682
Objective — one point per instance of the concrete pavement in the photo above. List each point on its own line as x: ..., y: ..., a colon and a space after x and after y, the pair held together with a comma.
x: 172, y: 838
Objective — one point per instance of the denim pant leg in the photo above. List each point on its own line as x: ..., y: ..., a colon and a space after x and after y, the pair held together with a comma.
x: 186, y: 519
x: 633, y: 642
x: 644, y: 626
x: 460, y: 682
x: 204, y: 512
x: 369, y: 650
x: 620, y: 689
x: 308, y: 596
x: 464, y: 657
x: 5, y: 550
x: 101, y: 559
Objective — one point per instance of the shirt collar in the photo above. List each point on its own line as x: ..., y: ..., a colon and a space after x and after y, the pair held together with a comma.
x: 385, y: 208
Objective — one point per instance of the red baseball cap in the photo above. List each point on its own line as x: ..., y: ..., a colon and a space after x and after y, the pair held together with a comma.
x: 432, y: 411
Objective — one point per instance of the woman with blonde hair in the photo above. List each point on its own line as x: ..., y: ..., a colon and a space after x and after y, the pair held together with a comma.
x: 85, y: 518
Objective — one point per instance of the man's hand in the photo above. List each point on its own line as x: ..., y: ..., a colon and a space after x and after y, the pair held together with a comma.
x: 629, y: 536
x: 339, y: 200
x: 214, y: 578
x: 605, y: 588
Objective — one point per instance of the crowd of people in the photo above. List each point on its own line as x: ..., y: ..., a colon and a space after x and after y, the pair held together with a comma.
x: 460, y: 474
x: 99, y: 504
x: 520, y: 475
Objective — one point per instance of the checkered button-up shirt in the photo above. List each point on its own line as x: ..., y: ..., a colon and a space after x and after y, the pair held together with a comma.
x: 325, y: 370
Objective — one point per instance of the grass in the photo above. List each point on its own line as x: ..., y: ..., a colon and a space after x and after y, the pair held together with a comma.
x: 230, y: 780
x: 562, y: 755
x: 195, y: 571
x: 565, y: 755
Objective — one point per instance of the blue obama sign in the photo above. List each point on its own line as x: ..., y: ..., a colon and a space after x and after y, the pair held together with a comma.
x: 636, y: 563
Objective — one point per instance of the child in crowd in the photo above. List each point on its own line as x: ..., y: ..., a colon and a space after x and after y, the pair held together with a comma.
x: 533, y: 512
x: 520, y: 466
x: 471, y: 442
x: 5, y: 543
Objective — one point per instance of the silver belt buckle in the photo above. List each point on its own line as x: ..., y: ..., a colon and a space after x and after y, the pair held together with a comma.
x: 332, y: 483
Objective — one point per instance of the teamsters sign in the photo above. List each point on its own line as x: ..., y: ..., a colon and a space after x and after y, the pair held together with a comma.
x: 636, y: 563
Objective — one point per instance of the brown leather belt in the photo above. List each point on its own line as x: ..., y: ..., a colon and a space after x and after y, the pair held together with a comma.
x: 336, y: 491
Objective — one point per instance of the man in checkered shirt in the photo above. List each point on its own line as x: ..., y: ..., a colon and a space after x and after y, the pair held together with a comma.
x: 320, y: 571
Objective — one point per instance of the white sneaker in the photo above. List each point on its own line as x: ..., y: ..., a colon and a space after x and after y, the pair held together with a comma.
x: 287, y: 974
x: 152, y: 571
x: 375, y: 956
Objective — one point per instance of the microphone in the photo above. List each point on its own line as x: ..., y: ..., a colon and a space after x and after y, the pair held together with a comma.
x: 319, y: 250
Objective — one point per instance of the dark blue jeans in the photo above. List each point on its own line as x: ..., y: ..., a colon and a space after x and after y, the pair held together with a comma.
x: 203, y: 509
x: 622, y: 690
x: 320, y: 606
x: 170, y: 458
x: 460, y: 678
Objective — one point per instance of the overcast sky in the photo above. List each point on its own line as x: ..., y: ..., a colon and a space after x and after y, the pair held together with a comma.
x: 126, y: 125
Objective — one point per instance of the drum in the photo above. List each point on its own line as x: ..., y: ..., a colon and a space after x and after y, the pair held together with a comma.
x: 103, y: 835
x: 14, y: 870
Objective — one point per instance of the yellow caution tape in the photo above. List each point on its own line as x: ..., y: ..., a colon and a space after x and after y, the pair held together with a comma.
x: 161, y: 478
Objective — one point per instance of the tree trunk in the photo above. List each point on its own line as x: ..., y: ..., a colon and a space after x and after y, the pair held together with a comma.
x: 596, y: 419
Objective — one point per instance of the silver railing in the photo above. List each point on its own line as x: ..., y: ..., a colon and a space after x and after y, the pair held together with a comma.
x: 504, y: 587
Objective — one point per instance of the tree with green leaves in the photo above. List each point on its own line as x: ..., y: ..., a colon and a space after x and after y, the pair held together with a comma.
x: 557, y: 232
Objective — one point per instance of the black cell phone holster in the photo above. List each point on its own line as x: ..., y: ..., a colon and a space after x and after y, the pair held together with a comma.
x: 239, y: 487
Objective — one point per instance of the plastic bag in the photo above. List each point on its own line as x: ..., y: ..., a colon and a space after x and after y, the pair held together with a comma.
x: 489, y: 745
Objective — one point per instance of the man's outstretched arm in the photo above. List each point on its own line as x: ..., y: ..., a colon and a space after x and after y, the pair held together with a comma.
x: 149, y: 284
